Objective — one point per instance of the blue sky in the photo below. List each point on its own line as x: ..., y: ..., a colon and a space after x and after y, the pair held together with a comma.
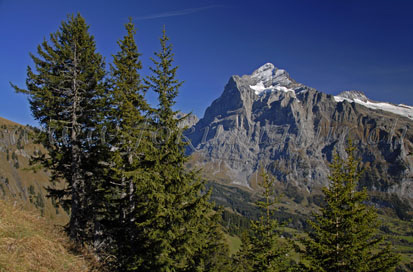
x: 329, y: 45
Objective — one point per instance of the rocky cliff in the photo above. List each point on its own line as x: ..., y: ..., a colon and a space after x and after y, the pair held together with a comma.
x: 269, y: 119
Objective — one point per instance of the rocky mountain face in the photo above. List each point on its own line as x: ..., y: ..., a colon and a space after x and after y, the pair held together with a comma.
x: 268, y: 119
x: 187, y: 120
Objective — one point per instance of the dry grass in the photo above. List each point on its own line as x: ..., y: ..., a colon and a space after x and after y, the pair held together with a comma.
x: 22, y: 184
x: 8, y: 122
x: 29, y: 243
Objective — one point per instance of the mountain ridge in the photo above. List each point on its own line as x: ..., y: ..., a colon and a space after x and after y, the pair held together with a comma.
x: 268, y: 118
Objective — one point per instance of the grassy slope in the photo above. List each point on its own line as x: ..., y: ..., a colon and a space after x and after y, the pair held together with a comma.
x: 28, y: 242
x: 16, y: 182
x: 8, y: 122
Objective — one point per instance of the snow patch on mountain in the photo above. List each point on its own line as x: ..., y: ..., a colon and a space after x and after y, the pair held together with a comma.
x: 260, y: 89
x: 359, y: 98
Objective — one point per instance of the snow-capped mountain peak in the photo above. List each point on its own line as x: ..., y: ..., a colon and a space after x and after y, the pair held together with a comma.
x: 264, y: 72
x: 269, y: 73
x: 269, y: 78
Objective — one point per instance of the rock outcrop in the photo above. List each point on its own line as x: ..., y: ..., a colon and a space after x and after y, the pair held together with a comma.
x: 187, y: 120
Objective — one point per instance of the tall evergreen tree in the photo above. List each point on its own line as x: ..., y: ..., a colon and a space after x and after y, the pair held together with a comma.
x: 65, y: 92
x: 179, y: 230
x: 126, y: 114
x: 263, y: 248
x: 344, y: 233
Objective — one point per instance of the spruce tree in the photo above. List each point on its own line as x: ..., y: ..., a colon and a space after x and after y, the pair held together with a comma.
x: 178, y: 228
x: 65, y: 92
x: 124, y: 177
x: 344, y: 234
x: 263, y: 248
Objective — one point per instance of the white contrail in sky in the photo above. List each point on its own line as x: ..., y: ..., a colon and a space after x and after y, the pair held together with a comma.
x: 174, y: 13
